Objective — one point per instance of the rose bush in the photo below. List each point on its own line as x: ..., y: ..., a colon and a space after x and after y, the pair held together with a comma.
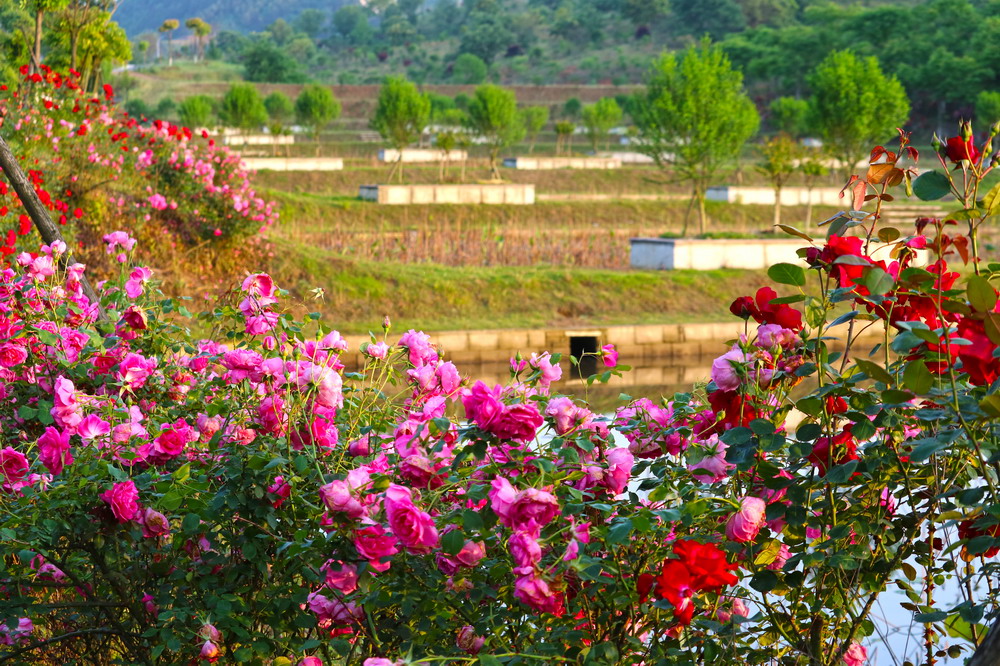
x: 171, y: 499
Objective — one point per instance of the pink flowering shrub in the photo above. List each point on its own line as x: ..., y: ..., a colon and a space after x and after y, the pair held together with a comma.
x: 97, y: 169
x: 174, y: 499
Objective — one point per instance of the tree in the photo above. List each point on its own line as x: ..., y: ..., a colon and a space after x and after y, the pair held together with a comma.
x: 493, y: 116
x: 564, y: 137
x: 75, y: 17
x: 790, y: 115
x: 316, y: 107
x: 310, y: 23
x: 39, y: 8
x: 242, y: 108
x: 347, y: 20
x: 696, y: 115
x: 279, y: 109
x: 195, y: 111
x: 401, y: 114
x: 571, y: 109
x: 485, y: 35
x: 143, y: 48
x: 168, y: 27
x: 445, y: 142
x: 469, y: 69
x: 855, y: 106
x: 715, y: 18
x: 779, y: 155
x: 641, y: 12
x: 201, y: 30
x: 813, y: 167
x: 263, y: 61
x: 988, y: 107
x: 600, y: 118
x: 534, y: 119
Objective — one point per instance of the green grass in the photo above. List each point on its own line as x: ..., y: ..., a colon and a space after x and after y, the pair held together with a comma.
x: 434, y: 297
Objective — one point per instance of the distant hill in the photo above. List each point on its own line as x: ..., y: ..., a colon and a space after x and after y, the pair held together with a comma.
x: 138, y: 16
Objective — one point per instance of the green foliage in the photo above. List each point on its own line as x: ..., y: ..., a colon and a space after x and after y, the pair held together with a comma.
x: 715, y: 18
x: 196, y: 111
x: 988, y: 107
x: 790, y: 115
x: 534, y: 119
x: 401, y: 113
x: 493, y: 117
x: 279, y: 107
x: 316, y: 107
x: 264, y: 61
x: 485, y: 34
x: 242, y: 107
x: 600, y: 118
x: 572, y: 107
x: 469, y: 69
x: 696, y: 116
x: 854, y: 105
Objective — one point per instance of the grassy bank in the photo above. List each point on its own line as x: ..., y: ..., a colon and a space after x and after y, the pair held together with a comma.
x: 433, y: 297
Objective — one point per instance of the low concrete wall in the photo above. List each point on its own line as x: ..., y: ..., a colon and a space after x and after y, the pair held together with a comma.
x: 257, y: 140
x: 293, y: 163
x: 691, y: 253
x: 646, y: 345
x: 540, y: 163
x: 509, y: 193
x: 421, y: 155
x: 629, y: 157
x: 790, y: 196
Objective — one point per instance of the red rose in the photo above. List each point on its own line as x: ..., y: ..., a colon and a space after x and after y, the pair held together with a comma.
x: 960, y: 150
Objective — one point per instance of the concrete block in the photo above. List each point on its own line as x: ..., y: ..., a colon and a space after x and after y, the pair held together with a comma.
x: 452, y: 341
x: 484, y: 340
x: 649, y: 335
x: 647, y: 376
x: 620, y: 336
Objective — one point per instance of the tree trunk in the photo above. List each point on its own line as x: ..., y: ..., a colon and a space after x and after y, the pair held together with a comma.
x: 36, y: 211
x: 494, y: 171
x: 74, y: 40
x: 38, y: 40
x: 170, y: 50
x: 988, y: 652
x: 702, y: 219
x: 777, y: 206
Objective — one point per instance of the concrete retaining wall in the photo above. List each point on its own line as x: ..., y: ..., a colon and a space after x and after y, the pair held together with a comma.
x: 421, y: 155
x: 540, y: 163
x: 790, y: 196
x: 514, y: 194
x: 257, y: 140
x: 293, y: 163
x: 646, y: 346
x: 690, y: 253
x: 629, y: 157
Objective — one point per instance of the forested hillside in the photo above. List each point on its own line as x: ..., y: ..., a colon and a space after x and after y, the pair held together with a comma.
x: 137, y: 16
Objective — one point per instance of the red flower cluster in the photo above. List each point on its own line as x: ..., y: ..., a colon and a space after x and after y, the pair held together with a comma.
x: 700, y: 567
x: 967, y: 530
x: 765, y: 312
x: 832, y: 451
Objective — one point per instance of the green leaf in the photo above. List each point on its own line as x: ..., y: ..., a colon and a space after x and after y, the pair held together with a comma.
x: 764, y: 581
x: 982, y: 296
x: 619, y: 531
x: 927, y: 618
x: 787, y: 274
x: 875, y: 371
x: 792, y: 231
x: 965, y: 214
x: 489, y: 660
x: 878, y: 281
x: 191, y: 524
x: 183, y: 473
x: 841, y: 473
x: 917, y: 377
x: 927, y: 447
x: 27, y: 413
x: 452, y: 542
x: 768, y: 554
x: 991, y: 202
x: 472, y: 521
x: 931, y: 186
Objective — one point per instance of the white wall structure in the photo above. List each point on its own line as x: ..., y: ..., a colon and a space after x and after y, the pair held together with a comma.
x: 508, y: 193
x: 545, y: 163
x: 257, y: 140
x: 790, y: 196
x: 411, y: 155
x: 293, y: 163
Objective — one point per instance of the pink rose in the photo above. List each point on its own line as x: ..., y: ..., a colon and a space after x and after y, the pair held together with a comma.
x: 123, y: 498
x: 333, y: 611
x: 12, y: 354
x: 502, y: 496
x: 525, y: 551
x: 13, y: 465
x: 311, y: 661
x: 53, y: 450
x: 468, y: 641
x: 209, y: 651
x: 136, y: 318
x: 172, y: 440
x: 783, y: 554
x: 532, y: 510
x: 338, y: 496
x: 713, y: 467
x: 379, y: 350
x: 375, y: 545
x: 154, y: 523
x: 340, y: 576
x: 856, y: 655
x: 414, y: 528
x: 550, y: 372
x: 724, y: 372
x: 379, y: 661
x: 535, y: 593
x: 563, y: 412
x: 471, y: 554
x: 93, y: 427
x: 482, y: 404
x: 615, y: 478
x: 518, y: 422
x: 744, y: 525
x: 609, y: 355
